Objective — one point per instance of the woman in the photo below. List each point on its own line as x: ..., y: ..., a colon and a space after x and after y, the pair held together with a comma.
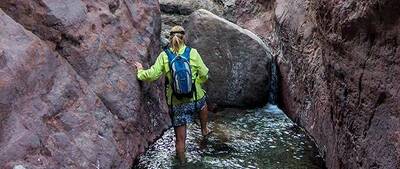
x: 181, y: 109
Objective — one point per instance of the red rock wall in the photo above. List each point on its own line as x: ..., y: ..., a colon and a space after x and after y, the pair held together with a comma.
x: 69, y: 96
x: 340, y: 74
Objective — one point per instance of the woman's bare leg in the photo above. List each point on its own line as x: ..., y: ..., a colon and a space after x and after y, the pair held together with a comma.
x: 180, y: 139
x: 204, y: 120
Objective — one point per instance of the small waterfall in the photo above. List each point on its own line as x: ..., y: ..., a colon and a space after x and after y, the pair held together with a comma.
x: 273, y: 87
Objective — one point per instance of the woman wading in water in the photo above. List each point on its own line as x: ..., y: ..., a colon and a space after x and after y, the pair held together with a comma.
x: 185, y: 98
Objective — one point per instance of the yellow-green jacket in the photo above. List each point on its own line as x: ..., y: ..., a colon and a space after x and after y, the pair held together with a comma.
x: 161, y: 66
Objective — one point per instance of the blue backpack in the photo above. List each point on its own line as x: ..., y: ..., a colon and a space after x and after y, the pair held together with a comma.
x: 182, y: 85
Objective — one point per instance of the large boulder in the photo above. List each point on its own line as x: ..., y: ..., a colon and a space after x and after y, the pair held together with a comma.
x: 340, y: 77
x: 99, y: 41
x: 238, y: 60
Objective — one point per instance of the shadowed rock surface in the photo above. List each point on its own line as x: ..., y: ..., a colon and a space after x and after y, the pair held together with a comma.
x: 238, y: 60
x: 339, y: 64
x: 70, y: 96
x: 341, y: 68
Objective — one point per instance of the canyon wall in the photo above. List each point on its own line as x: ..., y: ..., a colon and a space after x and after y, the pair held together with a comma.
x: 69, y: 96
x: 339, y: 65
x: 340, y: 70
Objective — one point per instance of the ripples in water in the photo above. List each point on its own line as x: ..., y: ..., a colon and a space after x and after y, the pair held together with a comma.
x: 261, y: 138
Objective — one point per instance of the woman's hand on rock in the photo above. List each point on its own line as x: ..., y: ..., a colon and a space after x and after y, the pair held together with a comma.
x: 138, y: 65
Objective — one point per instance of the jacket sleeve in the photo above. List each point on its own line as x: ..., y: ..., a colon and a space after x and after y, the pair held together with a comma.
x: 202, y: 70
x: 154, y: 72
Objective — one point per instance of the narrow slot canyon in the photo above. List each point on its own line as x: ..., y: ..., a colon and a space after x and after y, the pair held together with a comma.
x: 292, y: 84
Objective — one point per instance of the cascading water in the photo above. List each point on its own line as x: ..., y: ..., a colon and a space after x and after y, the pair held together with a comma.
x: 272, y: 105
x: 273, y: 87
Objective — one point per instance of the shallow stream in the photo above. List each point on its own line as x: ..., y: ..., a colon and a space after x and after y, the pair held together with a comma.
x: 260, y: 138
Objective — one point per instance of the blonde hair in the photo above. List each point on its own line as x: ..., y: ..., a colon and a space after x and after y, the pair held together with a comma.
x: 177, y: 39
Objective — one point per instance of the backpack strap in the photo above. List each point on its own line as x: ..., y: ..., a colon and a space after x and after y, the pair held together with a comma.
x: 186, y: 54
x: 171, y: 57
x: 170, y: 54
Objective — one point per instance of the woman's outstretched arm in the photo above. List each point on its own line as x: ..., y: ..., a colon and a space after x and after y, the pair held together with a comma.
x: 153, y: 73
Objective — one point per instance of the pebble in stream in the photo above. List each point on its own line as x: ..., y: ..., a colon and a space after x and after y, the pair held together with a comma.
x: 261, y: 138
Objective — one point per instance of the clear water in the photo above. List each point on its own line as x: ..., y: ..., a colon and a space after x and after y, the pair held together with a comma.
x: 261, y: 138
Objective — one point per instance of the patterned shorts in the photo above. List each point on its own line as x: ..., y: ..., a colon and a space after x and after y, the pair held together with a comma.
x: 183, y: 114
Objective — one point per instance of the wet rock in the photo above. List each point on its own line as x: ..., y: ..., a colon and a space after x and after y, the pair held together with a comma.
x: 85, y: 107
x: 238, y: 60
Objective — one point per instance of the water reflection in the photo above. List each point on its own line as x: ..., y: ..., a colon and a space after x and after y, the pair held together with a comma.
x: 261, y: 138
